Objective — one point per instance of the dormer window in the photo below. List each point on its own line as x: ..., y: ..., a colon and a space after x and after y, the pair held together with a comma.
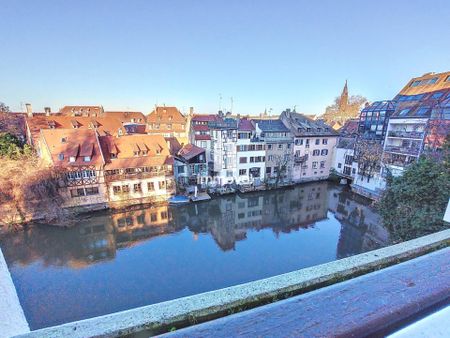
x: 86, y: 158
x: 61, y: 157
x: 72, y: 159
x: 145, y: 152
x: 112, y: 155
x: 63, y: 140
x: 132, y: 120
x: 308, y: 129
x: 136, y: 153
x: 158, y: 151
x: 170, y: 118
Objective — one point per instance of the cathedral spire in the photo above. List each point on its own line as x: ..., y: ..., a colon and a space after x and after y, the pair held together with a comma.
x: 343, y: 102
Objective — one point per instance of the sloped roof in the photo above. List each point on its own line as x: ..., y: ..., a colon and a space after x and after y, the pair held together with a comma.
x: 72, y: 142
x: 271, y: 125
x: 126, y: 116
x: 125, y: 147
x: 349, y: 128
x: 302, y: 125
x: 89, y: 110
x: 205, y: 117
x: 246, y: 125
x: 166, y: 115
x: 105, y: 125
x: 421, y: 105
x: 190, y: 151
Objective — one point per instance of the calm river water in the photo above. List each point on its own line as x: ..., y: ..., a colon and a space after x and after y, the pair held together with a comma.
x: 116, y: 261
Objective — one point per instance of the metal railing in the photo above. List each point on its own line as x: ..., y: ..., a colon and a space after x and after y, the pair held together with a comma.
x: 406, y: 134
x: 403, y: 150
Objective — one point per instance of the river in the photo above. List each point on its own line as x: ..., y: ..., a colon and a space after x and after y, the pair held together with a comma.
x: 111, y: 261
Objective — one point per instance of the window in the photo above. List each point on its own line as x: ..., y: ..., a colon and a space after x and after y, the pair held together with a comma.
x: 72, y: 159
x: 269, y: 146
x: 268, y: 170
x: 339, y: 165
x: 447, y: 79
x: 316, y: 152
x: 415, y: 83
x: 348, y: 159
x: 116, y: 189
x: 137, y: 187
x: 242, y: 172
x: 92, y: 191
x: 271, y: 158
x: 314, y: 165
x: 322, y: 164
x: 164, y: 215
x: 87, y: 159
x: 307, y: 143
x: 77, y: 192
x: 61, y: 157
x: 229, y: 173
x: 324, y: 152
x: 317, y: 141
x: 242, y: 159
x: 126, y: 188
x: 153, y: 217
x: 325, y: 141
x: 280, y: 146
x: 252, y: 159
x: 161, y: 185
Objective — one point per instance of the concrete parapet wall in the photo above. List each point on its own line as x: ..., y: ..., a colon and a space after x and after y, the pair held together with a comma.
x: 161, y: 317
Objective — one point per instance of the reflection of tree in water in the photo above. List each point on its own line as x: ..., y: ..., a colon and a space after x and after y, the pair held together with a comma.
x: 361, y: 228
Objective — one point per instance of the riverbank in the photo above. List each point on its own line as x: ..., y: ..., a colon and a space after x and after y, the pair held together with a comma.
x: 13, y: 220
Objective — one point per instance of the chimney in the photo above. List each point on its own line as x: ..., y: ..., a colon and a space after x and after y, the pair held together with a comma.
x: 29, y: 109
x: 191, y: 110
x: 47, y: 111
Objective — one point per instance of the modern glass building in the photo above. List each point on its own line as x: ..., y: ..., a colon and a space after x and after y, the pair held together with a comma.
x: 373, y: 120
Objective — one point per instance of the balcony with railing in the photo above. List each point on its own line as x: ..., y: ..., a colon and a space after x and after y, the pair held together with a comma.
x: 300, y: 159
x: 414, y: 151
x: 406, y: 134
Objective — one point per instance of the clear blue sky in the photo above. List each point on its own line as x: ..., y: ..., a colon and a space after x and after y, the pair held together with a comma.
x: 264, y: 54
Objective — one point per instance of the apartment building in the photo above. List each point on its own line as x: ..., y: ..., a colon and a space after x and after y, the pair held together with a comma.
x: 419, y: 122
x: 278, y: 140
x: 77, y: 156
x: 250, y: 154
x: 223, y: 148
x: 343, y: 155
x: 200, y: 134
x: 170, y: 123
x: 138, y: 169
x: 313, y: 145
x: 190, y: 166
x: 373, y: 119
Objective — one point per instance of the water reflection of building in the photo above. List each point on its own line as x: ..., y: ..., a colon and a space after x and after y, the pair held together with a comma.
x: 362, y: 228
x: 228, y: 219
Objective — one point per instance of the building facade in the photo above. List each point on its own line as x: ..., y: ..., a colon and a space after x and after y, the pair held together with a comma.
x: 313, y: 146
x: 278, y: 140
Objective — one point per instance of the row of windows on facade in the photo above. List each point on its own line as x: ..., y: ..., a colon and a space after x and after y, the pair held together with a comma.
x: 254, y: 172
x: 250, y: 147
x: 79, y: 192
x: 137, y: 187
x: 253, y: 159
x: 168, y: 125
x: 130, y: 171
x: 80, y: 174
x: 299, y: 141
x: 194, y: 168
x: 74, y: 158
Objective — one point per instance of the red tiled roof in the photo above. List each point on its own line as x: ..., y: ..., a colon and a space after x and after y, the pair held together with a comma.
x: 104, y: 125
x: 71, y: 142
x: 166, y: 115
x: 204, y: 117
x: 125, y: 146
x: 246, y: 125
x: 87, y: 110
x: 202, y: 137
x: 189, y: 151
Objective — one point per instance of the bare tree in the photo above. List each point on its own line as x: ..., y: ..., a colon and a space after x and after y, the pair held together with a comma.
x: 354, y: 106
x: 29, y: 190
x: 368, y: 156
